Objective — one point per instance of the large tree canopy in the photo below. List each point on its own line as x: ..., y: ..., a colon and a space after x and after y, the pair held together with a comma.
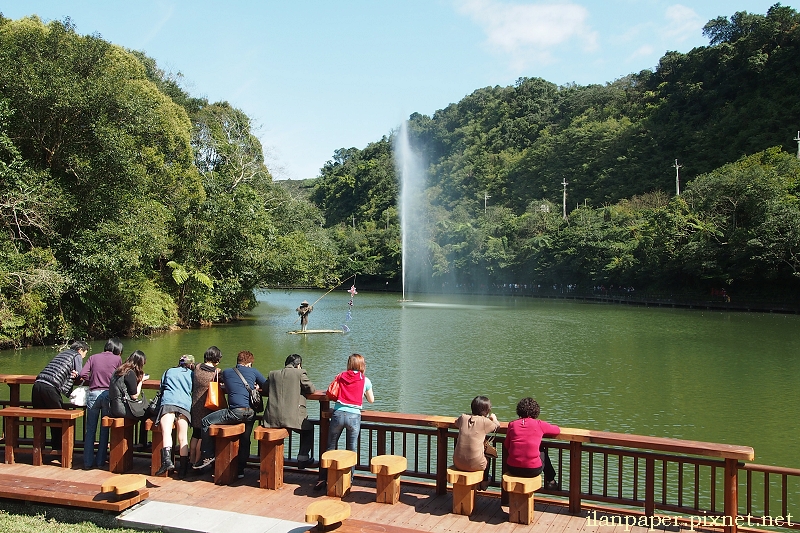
x: 128, y: 205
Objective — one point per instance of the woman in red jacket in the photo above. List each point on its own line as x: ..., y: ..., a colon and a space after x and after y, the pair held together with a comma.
x: 523, y: 442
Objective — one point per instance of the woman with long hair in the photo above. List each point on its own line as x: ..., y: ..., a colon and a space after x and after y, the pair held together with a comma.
x: 126, y: 384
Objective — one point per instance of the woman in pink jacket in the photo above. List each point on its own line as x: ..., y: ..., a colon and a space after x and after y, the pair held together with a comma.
x: 523, y: 444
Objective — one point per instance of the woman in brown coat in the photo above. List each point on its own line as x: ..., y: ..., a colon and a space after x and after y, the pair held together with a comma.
x: 472, y: 430
x: 203, y: 375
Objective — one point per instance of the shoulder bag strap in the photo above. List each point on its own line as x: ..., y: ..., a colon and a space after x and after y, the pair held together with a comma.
x: 242, y: 378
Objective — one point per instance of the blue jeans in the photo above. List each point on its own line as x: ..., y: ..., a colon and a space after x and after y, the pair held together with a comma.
x: 97, y: 406
x: 341, y: 421
x: 229, y: 416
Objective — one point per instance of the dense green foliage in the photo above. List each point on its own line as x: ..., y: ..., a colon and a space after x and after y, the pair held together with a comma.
x: 496, y: 161
x: 128, y: 205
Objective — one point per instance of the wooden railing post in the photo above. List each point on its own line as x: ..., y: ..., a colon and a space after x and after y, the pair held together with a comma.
x: 649, y: 486
x: 380, y: 448
x: 441, y: 460
x: 324, y: 426
x: 731, y: 494
x: 575, y: 477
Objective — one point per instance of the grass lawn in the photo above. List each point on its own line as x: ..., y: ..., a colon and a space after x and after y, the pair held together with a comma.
x: 21, y: 518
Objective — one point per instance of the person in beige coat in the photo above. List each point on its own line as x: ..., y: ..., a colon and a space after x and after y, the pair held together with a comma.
x: 287, y: 389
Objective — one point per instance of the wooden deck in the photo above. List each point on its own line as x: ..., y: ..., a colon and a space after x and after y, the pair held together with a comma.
x: 419, y: 508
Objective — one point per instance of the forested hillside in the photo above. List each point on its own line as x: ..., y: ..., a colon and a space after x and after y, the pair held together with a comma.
x: 496, y: 161
x: 128, y: 205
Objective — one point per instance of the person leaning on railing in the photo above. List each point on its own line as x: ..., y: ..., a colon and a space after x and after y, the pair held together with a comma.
x: 203, y: 375
x: 287, y: 391
x: 97, y: 373
x: 55, y: 379
x: 469, y: 454
x: 126, y: 387
x: 238, y: 411
x: 176, y: 403
x: 354, y: 386
x: 525, y: 456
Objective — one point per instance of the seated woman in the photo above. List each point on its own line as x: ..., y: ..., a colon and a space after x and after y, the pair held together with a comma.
x: 523, y: 444
x: 126, y: 387
x: 472, y: 431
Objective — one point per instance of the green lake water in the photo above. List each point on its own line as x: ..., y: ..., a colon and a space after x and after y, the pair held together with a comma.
x: 699, y: 375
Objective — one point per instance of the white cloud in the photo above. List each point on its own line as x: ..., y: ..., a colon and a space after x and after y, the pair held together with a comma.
x: 529, y: 32
x: 643, y: 51
x: 682, y: 23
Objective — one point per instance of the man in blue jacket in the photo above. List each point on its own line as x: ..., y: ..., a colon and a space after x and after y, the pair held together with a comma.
x: 238, y: 411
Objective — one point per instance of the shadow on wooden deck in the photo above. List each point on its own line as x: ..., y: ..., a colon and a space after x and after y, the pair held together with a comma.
x: 420, y: 508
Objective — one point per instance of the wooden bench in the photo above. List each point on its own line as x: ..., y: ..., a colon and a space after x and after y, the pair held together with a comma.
x: 520, y: 497
x: 14, y: 417
x: 270, y: 453
x: 327, y: 513
x: 464, y: 487
x: 68, y: 493
x: 339, y: 464
x: 388, y: 468
x: 226, y: 442
x: 120, y: 456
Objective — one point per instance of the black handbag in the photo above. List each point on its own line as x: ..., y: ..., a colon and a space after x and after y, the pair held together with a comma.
x: 256, y: 401
x: 136, y: 408
x: 154, y: 405
x: 121, y: 403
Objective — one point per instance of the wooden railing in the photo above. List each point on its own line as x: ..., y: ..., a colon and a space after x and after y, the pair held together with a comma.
x: 666, y: 481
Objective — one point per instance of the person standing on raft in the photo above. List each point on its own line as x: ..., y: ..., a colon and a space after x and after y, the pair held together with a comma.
x: 304, y: 310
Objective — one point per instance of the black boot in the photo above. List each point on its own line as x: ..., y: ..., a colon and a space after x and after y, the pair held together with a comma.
x: 166, y: 460
x: 183, y: 467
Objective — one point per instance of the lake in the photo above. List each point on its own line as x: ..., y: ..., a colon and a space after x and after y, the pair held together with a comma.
x: 699, y: 375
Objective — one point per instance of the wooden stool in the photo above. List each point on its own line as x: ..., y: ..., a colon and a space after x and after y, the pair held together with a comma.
x: 520, y: 497
x: 123, y: 484
x: 327, y: 512
x: 120, y: 457
x: 464, y: 487
x: 157, y: 442
x: 226, y: 442
x: 270, y: 453
x: 388, y: 469
x: 339, y: 463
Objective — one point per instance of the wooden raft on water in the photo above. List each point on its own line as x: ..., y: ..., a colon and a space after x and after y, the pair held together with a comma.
x: 310, y: 331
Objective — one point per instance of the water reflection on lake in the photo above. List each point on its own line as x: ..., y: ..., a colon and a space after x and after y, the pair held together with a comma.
x: 722, y: 377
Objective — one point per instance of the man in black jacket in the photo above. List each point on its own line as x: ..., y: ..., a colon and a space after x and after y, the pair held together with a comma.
x: 55, y: 379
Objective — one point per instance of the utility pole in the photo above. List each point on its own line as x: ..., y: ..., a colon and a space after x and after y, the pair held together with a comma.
x: 677, y: 178
x: 564, y: 203
x: 798, y: 144
x: 485, y: 200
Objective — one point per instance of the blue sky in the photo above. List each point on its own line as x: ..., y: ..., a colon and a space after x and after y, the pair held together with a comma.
x: 318, y: 75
